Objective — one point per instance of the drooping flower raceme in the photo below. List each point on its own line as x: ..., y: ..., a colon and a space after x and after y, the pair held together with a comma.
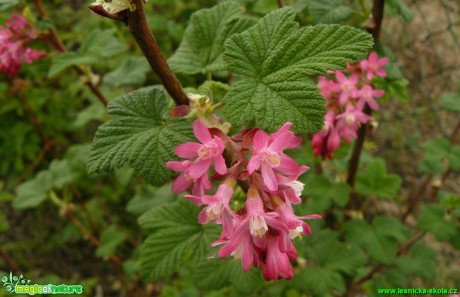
x: 14, y: 44
x: 346, y: 94
x: 261, y: 232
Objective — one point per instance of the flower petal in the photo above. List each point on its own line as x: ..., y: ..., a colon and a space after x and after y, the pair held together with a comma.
x: 269, y: 177
x: 288, y: 166
x: 181, y: 184
x: 199, y: 167
x: 219, y: 164
x: 260, y: 140
x: 201, y: 132
x: 188, y: 149
x: 253, y: 164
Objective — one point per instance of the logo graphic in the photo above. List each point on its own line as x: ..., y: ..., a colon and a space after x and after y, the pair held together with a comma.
x: 12, y: 281
x: 20, y: 285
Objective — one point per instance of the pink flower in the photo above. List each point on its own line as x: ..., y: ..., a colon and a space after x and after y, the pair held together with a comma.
x: 328, y: 139
x: 268, y: 155
x: 254, y: 225
x: 14, y: 42
x: 217, y: 207
x: 349, y: 121
x: 295, y: 224
x: 209, y: 151
x: 184, y: 180
x: 347, y: 86
x: 276, y: 265
x: 367, y: 95
x: 290, y: 187
x: 328, y: 87
x: 373, y: 65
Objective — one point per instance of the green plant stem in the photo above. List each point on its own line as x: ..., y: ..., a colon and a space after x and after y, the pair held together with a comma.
x: 59, y: 47
x: 138, y: 27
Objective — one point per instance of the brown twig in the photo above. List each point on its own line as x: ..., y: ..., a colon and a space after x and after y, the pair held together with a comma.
x: 59, y: 47
x: 138, y: 27
x: 88, y: 235
x: 37, y: 161
x: 281, y: 3
x: 377, y: 12
x: 32, y: 117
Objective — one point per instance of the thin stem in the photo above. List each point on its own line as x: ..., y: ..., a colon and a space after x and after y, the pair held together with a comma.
x: 30, y: 114
x: 59, y: 47
x: 37, y: 161
x: 377, y: 12
x: 281, y: 3
x: 137, y: 25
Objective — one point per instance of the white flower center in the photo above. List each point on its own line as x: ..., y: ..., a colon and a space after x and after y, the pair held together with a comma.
x: 293, y: 233
x: 296, y: 186
x: 257, y: 225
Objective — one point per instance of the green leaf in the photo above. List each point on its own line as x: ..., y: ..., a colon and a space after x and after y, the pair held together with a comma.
x: 337, y: 256
x: 35, y: 191
x: 329, y: 11
x: 140, y: 134
x: 454, y: 158
x: 432, y: 220
x: 379, y: 240
x: 274, y: 58
x: 318, y: 281
x: 451, y: 101
x: 398, y: 7
x: 110, y: 239
x: 178, y: 238
x: 436, y: 151
x: 219, y: 273
x: 324, y: 193
x: 148, y: 197
x: 390, y: 227
x: 202, y: 47
x: 420, y: 261
x: 132, y: 72
x: 63, y: 61
x: 153, y: 219
x: 102, y: 44
x: 376, y: 181
x: 5, y: 4
x: 437, y: 148
x: 97, y: 46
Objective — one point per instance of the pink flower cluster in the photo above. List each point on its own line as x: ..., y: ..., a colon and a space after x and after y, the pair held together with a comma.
x: 261, y: 232
x: 14, y: 44
x: 346, y: 98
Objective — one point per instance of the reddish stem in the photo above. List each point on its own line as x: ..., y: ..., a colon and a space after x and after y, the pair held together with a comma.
x: 137, y: 25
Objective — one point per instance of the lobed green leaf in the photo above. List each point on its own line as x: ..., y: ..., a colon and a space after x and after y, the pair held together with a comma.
x: 201, y: 49
x: 139, y: 134
x: 274, y: 58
